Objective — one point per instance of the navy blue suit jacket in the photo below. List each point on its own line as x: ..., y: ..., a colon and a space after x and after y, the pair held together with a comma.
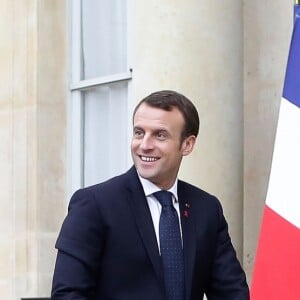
x: 107, y: 247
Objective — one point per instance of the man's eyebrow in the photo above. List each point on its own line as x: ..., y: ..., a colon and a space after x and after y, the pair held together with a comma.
x: 161, y: 130
x: 138, y: 127
x: 154, y: 130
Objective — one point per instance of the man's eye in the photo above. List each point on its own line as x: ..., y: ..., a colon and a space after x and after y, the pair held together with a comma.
x: 161, y: 135
x: 138, y: 133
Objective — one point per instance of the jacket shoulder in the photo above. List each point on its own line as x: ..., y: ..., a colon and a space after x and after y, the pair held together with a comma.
x: 189, y: 189
x: 113, y: 188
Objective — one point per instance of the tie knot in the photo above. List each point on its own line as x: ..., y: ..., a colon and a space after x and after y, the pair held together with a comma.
x: 164, y: 197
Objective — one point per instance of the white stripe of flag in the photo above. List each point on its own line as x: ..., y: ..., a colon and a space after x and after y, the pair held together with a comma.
x: 284, y: 185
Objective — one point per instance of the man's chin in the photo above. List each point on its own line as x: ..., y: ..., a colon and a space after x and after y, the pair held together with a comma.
x: 146, y: 174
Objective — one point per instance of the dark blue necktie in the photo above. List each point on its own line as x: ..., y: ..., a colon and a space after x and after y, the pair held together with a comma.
x: 171, y: 247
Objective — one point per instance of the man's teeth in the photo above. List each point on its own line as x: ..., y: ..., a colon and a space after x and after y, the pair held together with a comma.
x: 148, y: 159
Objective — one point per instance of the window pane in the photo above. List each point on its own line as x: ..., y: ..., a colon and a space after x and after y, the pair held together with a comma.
x: 104, y: 28
x: 105, y: 132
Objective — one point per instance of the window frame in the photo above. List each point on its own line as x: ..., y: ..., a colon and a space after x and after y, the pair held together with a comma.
x: 77, y: 85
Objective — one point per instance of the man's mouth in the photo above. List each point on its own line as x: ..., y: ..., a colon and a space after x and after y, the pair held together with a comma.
x: 148, y: 158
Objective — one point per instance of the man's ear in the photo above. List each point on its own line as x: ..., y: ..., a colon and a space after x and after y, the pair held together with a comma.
x: 188, y: 145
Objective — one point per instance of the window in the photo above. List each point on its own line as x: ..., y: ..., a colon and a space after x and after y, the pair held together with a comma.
x: 100, y: 74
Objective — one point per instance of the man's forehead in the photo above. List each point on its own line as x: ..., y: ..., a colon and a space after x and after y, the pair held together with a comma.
x: 158, y: 120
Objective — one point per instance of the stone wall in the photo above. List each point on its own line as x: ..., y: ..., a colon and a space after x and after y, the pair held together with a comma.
x: 229, y: 59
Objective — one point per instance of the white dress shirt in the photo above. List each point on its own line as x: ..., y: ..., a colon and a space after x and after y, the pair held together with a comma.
x: 155, y: 206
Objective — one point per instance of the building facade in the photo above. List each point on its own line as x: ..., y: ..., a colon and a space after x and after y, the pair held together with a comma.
x: 73, y: 70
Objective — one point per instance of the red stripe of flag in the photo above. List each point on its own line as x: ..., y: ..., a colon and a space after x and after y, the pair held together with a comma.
x: 276, y: 276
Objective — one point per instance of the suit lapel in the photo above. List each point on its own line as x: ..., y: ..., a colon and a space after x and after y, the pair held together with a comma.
x: 138, y: 203
x: 189, y: 237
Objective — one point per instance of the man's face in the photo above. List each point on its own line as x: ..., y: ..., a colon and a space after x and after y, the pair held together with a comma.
x: 156, y: 146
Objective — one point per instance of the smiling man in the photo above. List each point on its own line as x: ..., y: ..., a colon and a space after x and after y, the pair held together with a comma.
x: 146, y: 234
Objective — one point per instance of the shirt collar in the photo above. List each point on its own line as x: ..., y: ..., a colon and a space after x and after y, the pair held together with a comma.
x: 150, y: 188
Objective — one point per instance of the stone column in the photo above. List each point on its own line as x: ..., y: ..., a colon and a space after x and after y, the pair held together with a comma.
x: 267, y: 32
x: 33, y: 143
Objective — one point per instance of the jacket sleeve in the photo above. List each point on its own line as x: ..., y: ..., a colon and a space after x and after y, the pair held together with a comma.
x: 228, y: 280
x: 79, y: 245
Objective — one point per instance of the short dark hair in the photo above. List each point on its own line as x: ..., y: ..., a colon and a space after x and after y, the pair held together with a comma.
x: 167, y: 100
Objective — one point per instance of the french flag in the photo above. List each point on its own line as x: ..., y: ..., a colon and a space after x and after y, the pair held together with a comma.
x: 277, y: 267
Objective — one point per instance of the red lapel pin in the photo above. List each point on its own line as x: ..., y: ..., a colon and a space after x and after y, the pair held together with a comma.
x: 186, y: 212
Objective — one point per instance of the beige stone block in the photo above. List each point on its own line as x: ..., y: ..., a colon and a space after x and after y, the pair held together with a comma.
x: 47, y: 253
x: 51, y: 169
x: 6, y: 53
x: 20, y: 287
x: 52, y: 117
x: 45, y: 284
x: 20, y: 179
x: 32, y: 255
x: 21, y: 257
x: 32, y: 157
x: 6, y: 260
x: 25, y: 286
x: 6, y: 289
x: 52, y: 48
x: 6, y: 172
x: 19, y: 61
x: 32, y: 53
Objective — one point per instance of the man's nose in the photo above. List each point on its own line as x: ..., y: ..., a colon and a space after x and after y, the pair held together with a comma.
x: 147, y: 142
